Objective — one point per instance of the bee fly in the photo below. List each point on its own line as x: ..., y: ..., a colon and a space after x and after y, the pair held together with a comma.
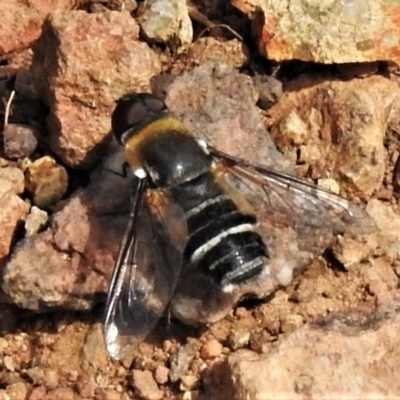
x: 186, y: 210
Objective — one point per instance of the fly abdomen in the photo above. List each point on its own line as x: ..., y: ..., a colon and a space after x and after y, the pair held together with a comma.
x: 224, y: 242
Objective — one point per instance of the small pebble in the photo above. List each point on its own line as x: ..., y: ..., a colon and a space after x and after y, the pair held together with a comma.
x: 47, y: 181
x: 145, y: 385
x: 269, y: 90
x: 191, y: 395
x: 211, y: 349
x: 291, y: 322
x: 167, y: 345
x: 188, y: 382
x: 13, y: 178
x: 73, y: 376
x: 45, y: 376
x: 161, y: 374
x: 36, y: 219
x: 181, y: 360
x: 3, y: 344
x: 17, y: 391
x: 239, y: 338
x: 329, y: 184
x: 241, y: 312
x: 8, y: 362
x: 37, y: 393
x: 87, y: 386
x: 20, y: 141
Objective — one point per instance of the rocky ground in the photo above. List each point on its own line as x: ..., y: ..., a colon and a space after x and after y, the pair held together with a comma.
x: 307, y: 90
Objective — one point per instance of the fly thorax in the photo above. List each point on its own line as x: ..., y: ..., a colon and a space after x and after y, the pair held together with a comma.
x: 172, y: 158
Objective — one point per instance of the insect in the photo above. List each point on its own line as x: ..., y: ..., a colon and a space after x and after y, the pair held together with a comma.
x: 186, y: 208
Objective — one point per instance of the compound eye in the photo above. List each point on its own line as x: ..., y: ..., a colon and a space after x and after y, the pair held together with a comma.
x: 154, y: 103
x: 132, y: 112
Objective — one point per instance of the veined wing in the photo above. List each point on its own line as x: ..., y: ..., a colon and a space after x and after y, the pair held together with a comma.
x: 303, y: 202
x: 147, y: 269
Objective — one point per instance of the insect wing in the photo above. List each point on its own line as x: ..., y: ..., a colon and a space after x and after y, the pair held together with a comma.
x: 146, y: 272
x: 305, y: 203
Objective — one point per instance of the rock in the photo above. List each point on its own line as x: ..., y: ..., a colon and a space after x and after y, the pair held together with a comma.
x: 180, y: 360
x: 380, y: 279
x: 8, y: 363
x: 47, y: 181
x: 350, y: 252
x: 269, y: 90
x: 21, y: 23
x: 161, y: 374
x: 19, y: 141
x: 238, y: 338
x: 115, y: 5
x: 330, y: 32
x: 13, y: 211
x: 291, y: 322
x: 240, y: 332
x: 35, y: 221
x: 191, y: 395
x: 145, y: 385
x: 12, y: 180
x: 82, y: 64
x: 37, y: 276
x: 86, y: 386
x: 351, y: 355
x: 337, y: 128
x: 37, y: 393
x: 211, y: 349
x: 20, y: 61
x: 387, y: 236
x: 94, y: 349
x: 65, y: 266
x: 329, y: 184
x: 44, y: 376
x: 241, y: 312
x: 17, y: 391
x: 168, y: 22
x: 188, y: 382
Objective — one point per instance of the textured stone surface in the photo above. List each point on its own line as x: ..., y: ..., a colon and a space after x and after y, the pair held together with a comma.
x: 82, y: 64
x: 21, y: 22
x: 145, y: 385
x: 47, y: 181
x: 336, y: 129
x: 325, y: 31
x: 352, y: 356
x: 13, y: 209
x: 167, y: 21
x: 19, y: 141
